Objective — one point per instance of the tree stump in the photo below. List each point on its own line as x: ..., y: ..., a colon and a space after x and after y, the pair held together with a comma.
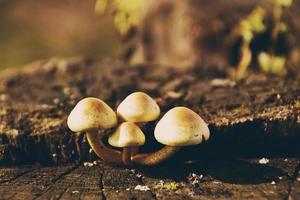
x: 255, y: 118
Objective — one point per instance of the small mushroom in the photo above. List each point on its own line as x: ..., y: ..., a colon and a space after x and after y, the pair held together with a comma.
x: 129, y: 137
x: 138, y: 107
x: 179, y: 127
x: 91, y: 115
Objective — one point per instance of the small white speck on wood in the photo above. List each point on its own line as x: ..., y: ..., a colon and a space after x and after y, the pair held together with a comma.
x: 142, y: 188
x: 88, y: 164
x: 263, y: 161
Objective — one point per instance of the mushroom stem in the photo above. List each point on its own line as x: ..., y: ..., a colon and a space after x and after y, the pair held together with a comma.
x: 155, y: 157
x: 126, y: 156
x: 140, y: 124
x: 105, y: 153
x: 134, y: 150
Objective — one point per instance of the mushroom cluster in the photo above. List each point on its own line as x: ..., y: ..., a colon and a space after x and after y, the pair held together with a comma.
x: 179, y: 127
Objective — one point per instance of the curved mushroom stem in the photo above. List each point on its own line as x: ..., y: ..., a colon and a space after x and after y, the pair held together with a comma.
x: 155, y: 157
x: 107, y: 154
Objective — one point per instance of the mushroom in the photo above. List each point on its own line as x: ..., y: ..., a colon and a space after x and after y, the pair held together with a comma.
x: 129, y: 137
x: 138, y: 107
x: 179, y: 127
x: 91, y: 115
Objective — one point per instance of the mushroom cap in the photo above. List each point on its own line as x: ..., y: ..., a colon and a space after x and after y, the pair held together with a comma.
x: 127, y: 135
x: 181, y: 126
x: 138, y: 107
x: 91, y: 113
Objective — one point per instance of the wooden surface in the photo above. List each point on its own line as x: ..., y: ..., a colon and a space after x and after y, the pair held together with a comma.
x: 212, y: 179
x: 248, y: 120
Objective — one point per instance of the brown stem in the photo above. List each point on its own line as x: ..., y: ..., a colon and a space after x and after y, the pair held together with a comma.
x: 105, y: 153
x: 140, y: 124
x: 155, y: 157
x: 126, y: 156
x: 134, y: 151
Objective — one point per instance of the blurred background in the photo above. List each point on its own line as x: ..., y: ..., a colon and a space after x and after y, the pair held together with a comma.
x: 167, y: 32
x: 31, y: 30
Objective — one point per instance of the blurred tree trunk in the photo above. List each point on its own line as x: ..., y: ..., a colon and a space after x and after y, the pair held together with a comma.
x: 185, y: 33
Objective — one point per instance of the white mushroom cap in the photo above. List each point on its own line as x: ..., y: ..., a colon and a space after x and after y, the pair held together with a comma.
x: 91, y: 113
x: 138, y: 107
x: 181, y: 126
x: 127, y: 135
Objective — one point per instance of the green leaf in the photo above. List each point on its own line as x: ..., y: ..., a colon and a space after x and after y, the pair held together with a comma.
x: 264, y: 61
x: 271, y: 63
x: 254, y: 23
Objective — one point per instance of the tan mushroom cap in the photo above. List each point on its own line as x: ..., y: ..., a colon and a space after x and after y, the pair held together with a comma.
x: 127, y: 135
x: 91, y: 113
x: 181, y: 126
x: 138, y: 107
